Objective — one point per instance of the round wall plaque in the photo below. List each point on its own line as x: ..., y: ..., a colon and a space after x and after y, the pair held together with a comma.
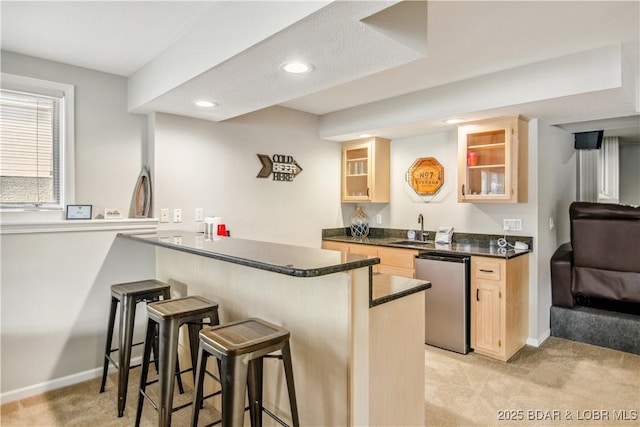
x: 426, y: 176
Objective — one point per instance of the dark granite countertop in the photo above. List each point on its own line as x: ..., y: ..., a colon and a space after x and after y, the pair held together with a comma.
x: 385, y: 288
x: 471, y: 247
x: 279, y: 258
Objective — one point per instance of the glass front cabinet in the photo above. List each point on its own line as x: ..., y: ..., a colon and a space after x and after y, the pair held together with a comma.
x: 492, y: 160
x: 365, y: 170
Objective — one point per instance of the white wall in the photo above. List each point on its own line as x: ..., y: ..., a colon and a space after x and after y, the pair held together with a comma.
x: 556, y: 190
x: 630, y: 174
x: 214, y: 166
x: 55, y: 286
x: 108, y: 140
x: 55, y: 304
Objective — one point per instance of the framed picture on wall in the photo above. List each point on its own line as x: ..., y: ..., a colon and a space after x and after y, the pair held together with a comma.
x: 79, y: 211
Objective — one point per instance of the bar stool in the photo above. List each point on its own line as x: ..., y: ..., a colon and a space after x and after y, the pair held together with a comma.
x: 168, y: 316
x: 129, y: 294
x: 241, y: 347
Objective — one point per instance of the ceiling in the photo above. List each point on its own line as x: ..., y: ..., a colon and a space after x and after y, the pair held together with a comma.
x: 389, y: 67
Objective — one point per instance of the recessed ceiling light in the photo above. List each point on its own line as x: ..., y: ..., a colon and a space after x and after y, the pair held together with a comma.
x: 453, y: 121
x: 365, y: 135
x: 296, y: 67
x: 204, y: 103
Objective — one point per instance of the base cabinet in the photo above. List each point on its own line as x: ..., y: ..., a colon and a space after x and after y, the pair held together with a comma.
x: 393, y: 261
x: 499, y: 306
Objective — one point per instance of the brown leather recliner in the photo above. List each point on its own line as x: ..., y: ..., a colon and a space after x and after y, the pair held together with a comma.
x: 602, y: 261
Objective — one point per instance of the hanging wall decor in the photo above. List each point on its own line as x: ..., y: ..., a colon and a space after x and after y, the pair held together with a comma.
x: 425, y: 176
x: 283, y: 168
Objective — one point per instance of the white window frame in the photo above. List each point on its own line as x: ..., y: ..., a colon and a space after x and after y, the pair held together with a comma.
x: 67, y: 146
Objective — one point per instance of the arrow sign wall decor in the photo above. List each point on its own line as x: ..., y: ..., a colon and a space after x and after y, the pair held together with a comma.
x: 284, y: 168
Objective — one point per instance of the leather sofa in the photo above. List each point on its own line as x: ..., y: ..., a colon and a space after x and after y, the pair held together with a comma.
x: 601, y: 264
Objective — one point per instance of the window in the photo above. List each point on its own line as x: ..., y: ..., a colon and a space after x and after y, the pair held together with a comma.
x: 36, y: 144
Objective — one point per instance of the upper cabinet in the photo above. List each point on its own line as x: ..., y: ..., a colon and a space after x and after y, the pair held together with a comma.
x: 492, y: 160
x: 365, y: 170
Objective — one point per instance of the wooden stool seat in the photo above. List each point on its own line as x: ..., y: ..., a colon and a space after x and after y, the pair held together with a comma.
x: 240, y: 347
x: 129, y: 294
x: 243, y: 337
x: 168, y: 316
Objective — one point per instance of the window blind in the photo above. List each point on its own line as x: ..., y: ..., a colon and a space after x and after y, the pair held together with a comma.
x: 30, y: 149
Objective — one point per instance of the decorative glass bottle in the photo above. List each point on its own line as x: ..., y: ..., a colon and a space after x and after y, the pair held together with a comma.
x: 359, y: 223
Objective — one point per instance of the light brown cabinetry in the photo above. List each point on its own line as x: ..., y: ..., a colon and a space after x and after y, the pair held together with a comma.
x: 365, y: 170
x: 397, y: 262
x: 393, y: 261
x: 493, y: 160
x: 499, y: 305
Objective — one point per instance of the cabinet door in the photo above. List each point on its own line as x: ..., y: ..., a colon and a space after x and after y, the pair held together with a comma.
x: 356, y: 168
x: 335, y: 246
x: 368, y: 250
x: 492, y: 161
x: 365, y: 170
x: 487, y: 316
x: 397, y: 262
x: 396, y: 271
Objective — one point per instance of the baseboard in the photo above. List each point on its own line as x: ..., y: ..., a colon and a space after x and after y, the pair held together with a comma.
x: 537, y: 342
x: 33, y: 390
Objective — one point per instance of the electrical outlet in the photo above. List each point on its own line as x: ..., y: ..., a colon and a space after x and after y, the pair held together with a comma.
x: 164, y: 215
x: 199, y: 214
x: 177, y: 215
x: 512, y: 224
x: 379, y: 219
x: 552, y: 223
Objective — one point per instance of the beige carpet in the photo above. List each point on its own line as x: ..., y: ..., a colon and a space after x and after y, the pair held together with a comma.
x: 570, y: 378
x: 560, y: 383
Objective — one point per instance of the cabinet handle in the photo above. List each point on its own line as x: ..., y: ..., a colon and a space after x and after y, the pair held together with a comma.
x: 368, y: 195
x: 486, y: 271
x: 463, y: 189
x: 477, y: 295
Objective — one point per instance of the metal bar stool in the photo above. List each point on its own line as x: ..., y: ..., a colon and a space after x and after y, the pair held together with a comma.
x: 129, y: 294
x: 241, y: 347
x: 168, y: 316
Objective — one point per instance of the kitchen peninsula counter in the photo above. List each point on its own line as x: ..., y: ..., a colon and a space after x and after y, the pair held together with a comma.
x: 357, y: 338
x: 279, y: 258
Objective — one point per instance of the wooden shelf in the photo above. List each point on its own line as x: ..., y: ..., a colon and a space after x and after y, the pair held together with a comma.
x: 502, y: 165
x: 500, y: 145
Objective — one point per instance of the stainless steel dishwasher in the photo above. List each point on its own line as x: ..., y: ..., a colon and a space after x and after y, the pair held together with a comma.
x: 447, y: 302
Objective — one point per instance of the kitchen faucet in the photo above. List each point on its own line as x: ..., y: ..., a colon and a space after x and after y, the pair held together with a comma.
x: 421, y: 222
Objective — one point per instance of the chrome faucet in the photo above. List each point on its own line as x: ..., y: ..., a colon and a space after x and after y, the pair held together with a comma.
x: 421, y: 222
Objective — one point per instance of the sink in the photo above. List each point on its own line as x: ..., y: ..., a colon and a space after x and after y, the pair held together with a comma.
x: 412, y: 242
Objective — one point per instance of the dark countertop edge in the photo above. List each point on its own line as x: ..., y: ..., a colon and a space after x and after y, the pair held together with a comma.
x: 511, y: 253
x: 381, y: 300
x: 289, y: 271
x: 398, y: 295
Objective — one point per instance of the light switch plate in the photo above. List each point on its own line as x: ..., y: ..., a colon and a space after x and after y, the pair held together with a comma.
x: 164, y: 215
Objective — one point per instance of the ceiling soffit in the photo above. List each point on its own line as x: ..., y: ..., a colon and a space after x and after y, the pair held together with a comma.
x: 538, y: 88
x: 336, y: 40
